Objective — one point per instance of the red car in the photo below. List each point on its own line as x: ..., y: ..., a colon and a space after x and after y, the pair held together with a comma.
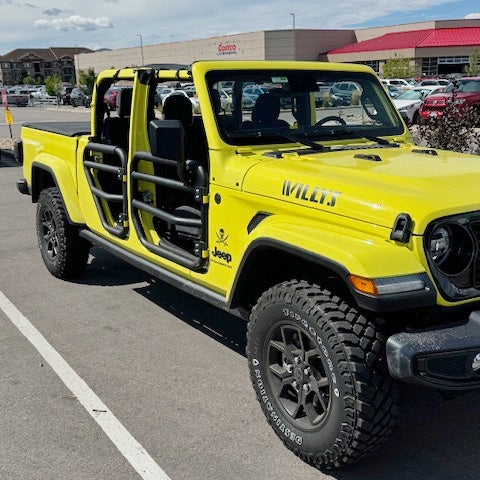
x: 110, y: 97
x: 468, y: 94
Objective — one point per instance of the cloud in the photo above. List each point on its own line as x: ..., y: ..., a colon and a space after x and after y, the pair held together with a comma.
x: 12, y: 3
x: 53, y: 12
x: 473, y: 15
x: 74, y: 22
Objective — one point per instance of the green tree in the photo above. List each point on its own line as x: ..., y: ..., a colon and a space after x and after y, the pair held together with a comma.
x: 28, y: 80
x: 398, y: 67
x: 474, y: 68
x: 19, y: 75
x: 53, y: 85
x: 87, y: 81
x: 39, y: 80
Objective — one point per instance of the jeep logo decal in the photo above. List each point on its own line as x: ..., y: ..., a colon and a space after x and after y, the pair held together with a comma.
x: 222, y: 255
x: 310, y: 194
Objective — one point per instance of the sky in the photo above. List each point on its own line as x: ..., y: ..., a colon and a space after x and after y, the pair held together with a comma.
x: 116, y: 23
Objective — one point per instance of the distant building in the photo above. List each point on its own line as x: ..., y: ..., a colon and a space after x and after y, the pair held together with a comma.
x: 39, y: 62
x: 436, y: 47
x: 433, y: 48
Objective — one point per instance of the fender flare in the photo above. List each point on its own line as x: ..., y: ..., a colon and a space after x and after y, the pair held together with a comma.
x: 74, y: 214
x: 385, y: 303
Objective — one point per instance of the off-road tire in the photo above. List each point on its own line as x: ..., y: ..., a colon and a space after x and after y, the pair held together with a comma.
x: 71, y: 256
x: 363, y: 397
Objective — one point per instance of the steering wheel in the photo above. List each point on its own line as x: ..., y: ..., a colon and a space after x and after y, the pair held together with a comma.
x: 331, y: 118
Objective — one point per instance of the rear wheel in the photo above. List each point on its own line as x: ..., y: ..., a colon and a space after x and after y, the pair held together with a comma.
x: 64, y: 252
x: 318, y: 368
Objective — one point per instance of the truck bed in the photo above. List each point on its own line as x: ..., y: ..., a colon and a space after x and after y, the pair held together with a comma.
x: 69, y: 129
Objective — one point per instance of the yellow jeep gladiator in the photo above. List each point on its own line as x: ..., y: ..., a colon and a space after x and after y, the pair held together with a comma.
x: 353, y: 254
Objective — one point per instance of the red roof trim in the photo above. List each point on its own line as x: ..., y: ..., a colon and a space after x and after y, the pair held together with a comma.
x: 440, y: 37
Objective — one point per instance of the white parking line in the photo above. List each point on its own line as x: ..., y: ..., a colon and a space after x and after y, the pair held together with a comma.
x: 136, y: 455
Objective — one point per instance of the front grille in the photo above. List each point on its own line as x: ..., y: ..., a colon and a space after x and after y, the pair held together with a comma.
x: 475, y: 229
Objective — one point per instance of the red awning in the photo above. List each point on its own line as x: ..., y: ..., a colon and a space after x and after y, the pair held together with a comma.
x: 441, y: 37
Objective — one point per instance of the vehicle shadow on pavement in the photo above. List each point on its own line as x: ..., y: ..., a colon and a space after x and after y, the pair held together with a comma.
x: 227, y: 329
x: 106, y: 270
x: 436, y: 439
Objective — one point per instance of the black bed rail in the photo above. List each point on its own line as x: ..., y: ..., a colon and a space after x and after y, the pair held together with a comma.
x: 171, y: 252
x: 120, y: 229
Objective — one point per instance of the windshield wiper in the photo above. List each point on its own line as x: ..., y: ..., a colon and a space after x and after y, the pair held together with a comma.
x: 280, y: 133
x: 379, y: 140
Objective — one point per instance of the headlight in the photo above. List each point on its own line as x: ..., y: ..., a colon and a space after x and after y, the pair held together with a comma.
x: 450, y: 247
x: 439, y: 244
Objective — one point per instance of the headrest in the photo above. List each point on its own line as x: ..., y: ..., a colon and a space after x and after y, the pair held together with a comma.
x: 178, y: 107
x: 266, y: 109
x: 124, y: 102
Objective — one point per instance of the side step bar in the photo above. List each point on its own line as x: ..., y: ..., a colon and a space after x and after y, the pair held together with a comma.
x: 159, y: 272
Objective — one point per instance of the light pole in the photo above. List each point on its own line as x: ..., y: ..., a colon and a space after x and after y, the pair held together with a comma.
x: 77, y: 69
x: 141, y: 47
x: 294, y: 37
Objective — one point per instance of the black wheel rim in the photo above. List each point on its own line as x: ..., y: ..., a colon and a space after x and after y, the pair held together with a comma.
x: 297, y: 373
x: 49, y: 234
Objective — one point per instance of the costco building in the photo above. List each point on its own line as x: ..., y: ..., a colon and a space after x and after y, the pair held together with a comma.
x: 433, y: 48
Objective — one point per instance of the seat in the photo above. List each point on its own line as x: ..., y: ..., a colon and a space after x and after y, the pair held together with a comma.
x: 178, y: 107
x: 265, y: 114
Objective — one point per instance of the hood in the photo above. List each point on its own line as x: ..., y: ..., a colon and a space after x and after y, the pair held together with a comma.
x: 406, y: 103
x: 422, y: 185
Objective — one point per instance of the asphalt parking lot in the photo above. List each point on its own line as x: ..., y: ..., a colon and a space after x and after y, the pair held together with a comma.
x: 172, y: 370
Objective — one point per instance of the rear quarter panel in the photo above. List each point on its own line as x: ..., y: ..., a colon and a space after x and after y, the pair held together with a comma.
x: 56, y: 153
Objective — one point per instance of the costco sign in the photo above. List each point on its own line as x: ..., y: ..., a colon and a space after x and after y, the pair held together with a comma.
x: 226, y: 49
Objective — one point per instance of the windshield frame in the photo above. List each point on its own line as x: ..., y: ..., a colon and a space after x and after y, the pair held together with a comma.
x: 334, y: 76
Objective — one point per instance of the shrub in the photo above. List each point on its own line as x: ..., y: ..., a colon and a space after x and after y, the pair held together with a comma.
x: 454, y: 130
x: 87, y: 81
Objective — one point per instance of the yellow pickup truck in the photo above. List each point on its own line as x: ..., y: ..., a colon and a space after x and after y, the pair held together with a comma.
x: 353, y: 254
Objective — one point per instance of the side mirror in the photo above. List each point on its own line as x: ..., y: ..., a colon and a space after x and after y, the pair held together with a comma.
x: 167, y: 139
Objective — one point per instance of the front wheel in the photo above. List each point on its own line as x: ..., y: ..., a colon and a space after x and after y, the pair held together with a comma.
x: 63, y: 251
x: 319, y: 371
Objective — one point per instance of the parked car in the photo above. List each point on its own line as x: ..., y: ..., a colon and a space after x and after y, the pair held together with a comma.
x: 78, y: 98
x: 20, y: 100
x: 161, y: 93
x: 467, y: 94
x: 431, y: 82
x: 254, y: 91
x: 66, y: 94
x: 408, y: 103
x: 110, y: 97
x: 401, y: 83
x: 394, y: 91
x: 344, y: 91
x: 226, y: 99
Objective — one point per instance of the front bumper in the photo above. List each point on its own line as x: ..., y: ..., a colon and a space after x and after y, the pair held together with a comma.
x: 440, y: 358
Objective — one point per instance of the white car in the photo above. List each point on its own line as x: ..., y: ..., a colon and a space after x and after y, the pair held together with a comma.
x: 400, y: 83
x: 431, y: 82
x: 408, y: 103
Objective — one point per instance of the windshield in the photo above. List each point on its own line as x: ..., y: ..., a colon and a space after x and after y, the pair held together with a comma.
x: 464, y: 86
x: 317, y: 105
x: 413, y: 95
